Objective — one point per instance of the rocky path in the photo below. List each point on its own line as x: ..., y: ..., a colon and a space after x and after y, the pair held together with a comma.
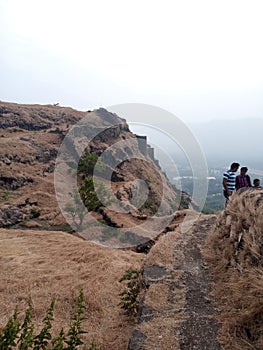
x: 177, y: 311
x: 199, y: 330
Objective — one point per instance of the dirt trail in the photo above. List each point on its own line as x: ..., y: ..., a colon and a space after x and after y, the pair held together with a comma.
x: 178, y: 311
x: 199, y: 330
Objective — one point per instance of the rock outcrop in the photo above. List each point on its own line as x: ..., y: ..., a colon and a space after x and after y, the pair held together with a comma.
x: 30, y: 144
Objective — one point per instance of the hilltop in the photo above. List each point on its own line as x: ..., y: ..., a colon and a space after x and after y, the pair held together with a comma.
x: 200, y: 275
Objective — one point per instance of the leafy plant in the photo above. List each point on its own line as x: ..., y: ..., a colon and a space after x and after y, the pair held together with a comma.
x: 129, y: 296
x: 42, y: 339
x: 9, y: 333
x: 26, y: 338
x: 89, y: 194
x: 15, y: 335
x: 76, y: 330
x: 59, y: 341
x: 87, y: 163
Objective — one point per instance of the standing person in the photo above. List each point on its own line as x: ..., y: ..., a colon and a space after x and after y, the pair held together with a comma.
x: 243, y: 180
x: 256, y: 183
x: 229, y: 180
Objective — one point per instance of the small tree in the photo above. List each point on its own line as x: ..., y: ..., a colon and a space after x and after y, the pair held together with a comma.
x: 76, y: 209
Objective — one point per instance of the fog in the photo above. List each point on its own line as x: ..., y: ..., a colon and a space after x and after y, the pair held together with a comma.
x: 222, y: 142
x: 200, y: 60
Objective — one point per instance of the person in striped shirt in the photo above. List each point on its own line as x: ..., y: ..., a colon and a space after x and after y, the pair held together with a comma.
x: 229, y: 180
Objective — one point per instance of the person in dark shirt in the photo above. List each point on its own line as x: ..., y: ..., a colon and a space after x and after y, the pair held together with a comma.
x: 243, y: 180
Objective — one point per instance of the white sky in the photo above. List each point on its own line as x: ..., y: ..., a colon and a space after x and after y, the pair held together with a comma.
x: 200, y: 59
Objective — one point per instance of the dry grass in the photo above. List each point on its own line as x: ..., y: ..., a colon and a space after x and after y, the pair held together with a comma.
x: 168, y: 251
x: 235, y: 250
x: 44, y: 265
x: 161, y: 333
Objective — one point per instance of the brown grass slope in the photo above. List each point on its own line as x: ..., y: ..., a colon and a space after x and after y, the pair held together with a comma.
x: 235, y: 249
x: 46, y: 264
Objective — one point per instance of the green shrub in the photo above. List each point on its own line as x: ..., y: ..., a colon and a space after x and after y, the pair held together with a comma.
x: 129, y: 296
x: 59, y: 341
x: 16, y: 335
x: 42, y: 339
x: 34, y: 213
x: 26, y: 338
x: 75, y: 330
x: 9, y: 334
x: 87, y: 163
x: 89, y: 194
